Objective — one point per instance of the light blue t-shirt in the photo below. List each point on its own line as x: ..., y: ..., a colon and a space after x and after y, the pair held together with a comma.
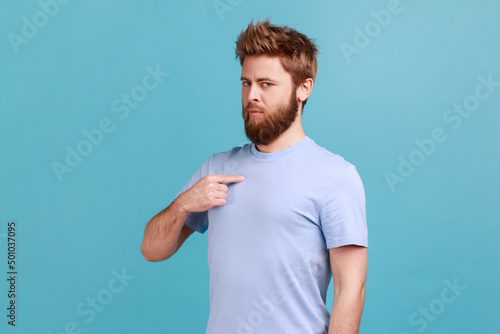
x: 268, y: 246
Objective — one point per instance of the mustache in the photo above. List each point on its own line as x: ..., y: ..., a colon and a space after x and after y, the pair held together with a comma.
x: 252, y: 106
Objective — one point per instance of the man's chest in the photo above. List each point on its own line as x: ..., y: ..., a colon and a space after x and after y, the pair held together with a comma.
x: 267, y: 203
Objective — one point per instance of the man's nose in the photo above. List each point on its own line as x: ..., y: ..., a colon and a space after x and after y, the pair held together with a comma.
x: 253, y: 93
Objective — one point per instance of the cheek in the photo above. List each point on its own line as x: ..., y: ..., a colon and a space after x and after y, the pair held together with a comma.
x: 244, y: 96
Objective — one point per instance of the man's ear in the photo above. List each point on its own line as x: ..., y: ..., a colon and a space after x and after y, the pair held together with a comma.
x: 305, y: 89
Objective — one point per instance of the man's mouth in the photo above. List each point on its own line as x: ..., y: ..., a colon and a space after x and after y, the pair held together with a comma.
x: 255, y: 112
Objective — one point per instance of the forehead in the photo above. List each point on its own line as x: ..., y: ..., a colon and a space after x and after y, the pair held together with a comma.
x: 255, y: 67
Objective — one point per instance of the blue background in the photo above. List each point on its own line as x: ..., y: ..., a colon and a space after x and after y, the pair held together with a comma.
x: 440, y: 224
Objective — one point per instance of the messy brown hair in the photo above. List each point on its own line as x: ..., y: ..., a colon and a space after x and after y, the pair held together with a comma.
x: 296, y: 51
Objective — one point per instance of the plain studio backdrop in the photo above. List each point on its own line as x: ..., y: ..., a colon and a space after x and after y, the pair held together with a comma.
x: 108, y: 108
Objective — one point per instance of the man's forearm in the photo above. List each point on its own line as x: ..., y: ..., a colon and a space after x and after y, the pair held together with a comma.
x: 162, y: 232
x: 346, y: 313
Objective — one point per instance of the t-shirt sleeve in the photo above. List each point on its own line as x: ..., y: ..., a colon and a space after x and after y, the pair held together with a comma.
x: 343, y: 212
x: 197, y: 221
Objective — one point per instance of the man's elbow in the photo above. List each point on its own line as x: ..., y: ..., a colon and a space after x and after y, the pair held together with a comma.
x: 358, y: 295
x: 362, y: 294
x: 351, y: 292
x: 152, y: 256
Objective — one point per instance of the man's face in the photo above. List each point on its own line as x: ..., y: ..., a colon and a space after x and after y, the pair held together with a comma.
x: 269, y: 101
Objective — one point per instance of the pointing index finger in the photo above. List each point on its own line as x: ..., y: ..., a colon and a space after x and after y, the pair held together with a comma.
x: 230, y: 178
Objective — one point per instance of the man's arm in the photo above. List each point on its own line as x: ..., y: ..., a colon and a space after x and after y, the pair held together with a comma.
x: 162, y: 235
x: 165, y: 232
x: 349, y: 265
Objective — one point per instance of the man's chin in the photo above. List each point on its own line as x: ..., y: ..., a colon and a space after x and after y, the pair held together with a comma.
x: 259, y: 141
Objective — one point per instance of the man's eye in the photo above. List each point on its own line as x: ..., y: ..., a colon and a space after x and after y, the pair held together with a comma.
x: 266, y: 84
x: 245, y: 83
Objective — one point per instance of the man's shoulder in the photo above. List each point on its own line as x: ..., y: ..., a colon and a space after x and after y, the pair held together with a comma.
x: 243, y: 148
x: 325, y: 158
x: 236, y: 152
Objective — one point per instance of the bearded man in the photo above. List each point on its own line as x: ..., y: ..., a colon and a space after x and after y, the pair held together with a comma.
x: 284, y: 215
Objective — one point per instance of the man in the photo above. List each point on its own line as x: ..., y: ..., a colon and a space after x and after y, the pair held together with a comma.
x: 283, y: 215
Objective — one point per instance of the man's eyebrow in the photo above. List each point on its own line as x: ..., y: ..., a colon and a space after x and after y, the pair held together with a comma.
x: 258, y: 80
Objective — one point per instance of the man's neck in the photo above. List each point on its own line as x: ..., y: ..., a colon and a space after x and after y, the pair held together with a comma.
x: 288, y: 138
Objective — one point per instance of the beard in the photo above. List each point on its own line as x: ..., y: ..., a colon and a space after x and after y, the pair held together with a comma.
x: 266, y: 128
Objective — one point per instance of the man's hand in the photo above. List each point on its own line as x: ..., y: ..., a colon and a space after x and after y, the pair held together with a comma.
x: 208, y: 192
